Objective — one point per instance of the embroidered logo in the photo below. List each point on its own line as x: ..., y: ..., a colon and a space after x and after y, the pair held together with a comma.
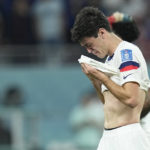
x: 126, y: 76
x: 126, y: 55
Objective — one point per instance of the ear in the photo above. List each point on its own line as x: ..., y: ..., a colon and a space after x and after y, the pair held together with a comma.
x: 102, y: 33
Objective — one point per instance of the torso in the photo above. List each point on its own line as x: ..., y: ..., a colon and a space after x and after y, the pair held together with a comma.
x: 132, y: 67
x: 118, y: 114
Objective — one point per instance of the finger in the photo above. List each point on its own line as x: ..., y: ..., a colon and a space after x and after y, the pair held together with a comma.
x: 84, y: 68
x: 88, y: 67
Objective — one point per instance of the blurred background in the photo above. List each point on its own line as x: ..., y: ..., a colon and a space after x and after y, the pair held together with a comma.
x: 46, y: 102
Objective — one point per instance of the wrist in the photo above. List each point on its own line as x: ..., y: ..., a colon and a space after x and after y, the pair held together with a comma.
x: 105, y: 80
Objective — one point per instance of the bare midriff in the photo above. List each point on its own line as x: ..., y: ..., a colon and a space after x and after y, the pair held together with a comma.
x: 119, y: 114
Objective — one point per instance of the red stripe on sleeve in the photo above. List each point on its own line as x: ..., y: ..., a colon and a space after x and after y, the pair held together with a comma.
x: 127, y: 68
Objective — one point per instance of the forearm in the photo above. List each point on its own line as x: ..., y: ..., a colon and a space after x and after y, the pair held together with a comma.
x: 124, y: 94
x: 97, y: 87
x: 127, y: 93
x: 115, y: 89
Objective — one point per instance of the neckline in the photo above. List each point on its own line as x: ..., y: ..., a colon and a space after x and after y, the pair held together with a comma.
x: 110, y: 57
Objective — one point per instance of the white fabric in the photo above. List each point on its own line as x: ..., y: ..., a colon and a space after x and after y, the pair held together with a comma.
x: 134, y: 55
x: 129, y: 137
x: 107, y: 69
x: 145, y: 122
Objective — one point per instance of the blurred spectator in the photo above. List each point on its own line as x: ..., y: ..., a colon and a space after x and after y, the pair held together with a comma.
x: 87, y: 122
x: 147, y: 20
x: 5, y: 135
x: 12, y: 105
x: 48, y: 21
x: 21, y: 30
x: 6, y: 7
x: 13, y: 97
x: 1, y: 29
x: 135, y: 8
x: 144, y: 25
x: 112, y: 5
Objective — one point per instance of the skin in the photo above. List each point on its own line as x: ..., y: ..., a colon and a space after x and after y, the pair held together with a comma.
x: 122, y: 104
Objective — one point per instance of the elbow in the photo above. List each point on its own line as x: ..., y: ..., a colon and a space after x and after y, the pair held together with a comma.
x: 132, y: 102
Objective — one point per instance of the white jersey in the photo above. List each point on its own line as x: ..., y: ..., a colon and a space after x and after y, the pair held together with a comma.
x: 131, y: 64
x: 145, y: 122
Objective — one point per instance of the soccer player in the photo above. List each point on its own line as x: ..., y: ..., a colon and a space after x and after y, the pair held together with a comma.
x: 123, y: 95
x: 125, y: 26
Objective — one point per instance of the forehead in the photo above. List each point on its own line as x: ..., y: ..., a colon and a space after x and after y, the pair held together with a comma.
x: 87, y: 40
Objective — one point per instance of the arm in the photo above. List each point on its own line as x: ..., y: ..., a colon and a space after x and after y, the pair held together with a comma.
x: 127, y: 93
x: 97, y: 85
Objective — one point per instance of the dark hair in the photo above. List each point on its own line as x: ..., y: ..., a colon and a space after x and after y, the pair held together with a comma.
x: 128, y: 31
x: 87, y: 23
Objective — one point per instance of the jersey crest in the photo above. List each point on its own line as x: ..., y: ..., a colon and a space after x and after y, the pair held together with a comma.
x: 126, y: 55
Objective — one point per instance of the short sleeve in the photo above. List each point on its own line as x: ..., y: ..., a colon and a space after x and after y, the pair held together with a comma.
x: 129, y: 66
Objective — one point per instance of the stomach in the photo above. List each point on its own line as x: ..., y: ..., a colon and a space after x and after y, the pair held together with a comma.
x: 118, y: 114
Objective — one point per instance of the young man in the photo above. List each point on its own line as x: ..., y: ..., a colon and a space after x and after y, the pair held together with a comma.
x: 125, y: 26
x: 123, y: 95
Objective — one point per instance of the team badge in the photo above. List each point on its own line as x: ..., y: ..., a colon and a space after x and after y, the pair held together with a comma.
x: 126, y: 55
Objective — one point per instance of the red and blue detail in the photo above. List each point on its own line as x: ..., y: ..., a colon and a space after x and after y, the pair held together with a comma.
x: 129, y: 65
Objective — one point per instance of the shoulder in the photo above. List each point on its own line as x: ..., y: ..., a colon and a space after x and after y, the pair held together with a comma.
x: 128, y: 45
x: 128, y: 49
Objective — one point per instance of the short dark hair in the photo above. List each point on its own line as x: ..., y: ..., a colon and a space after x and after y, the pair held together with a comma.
x: 87, y: 23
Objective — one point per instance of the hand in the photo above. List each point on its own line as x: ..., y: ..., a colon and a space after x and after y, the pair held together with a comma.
x: 87, y: 69
x: 93, y: 74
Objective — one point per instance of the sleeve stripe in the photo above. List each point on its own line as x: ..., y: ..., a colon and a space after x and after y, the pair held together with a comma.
x: 129, y: 65
x: 128, y: 68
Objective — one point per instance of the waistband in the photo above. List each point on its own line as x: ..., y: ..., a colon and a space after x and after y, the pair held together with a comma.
x: 112, y: 128
x: 123, y: 129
